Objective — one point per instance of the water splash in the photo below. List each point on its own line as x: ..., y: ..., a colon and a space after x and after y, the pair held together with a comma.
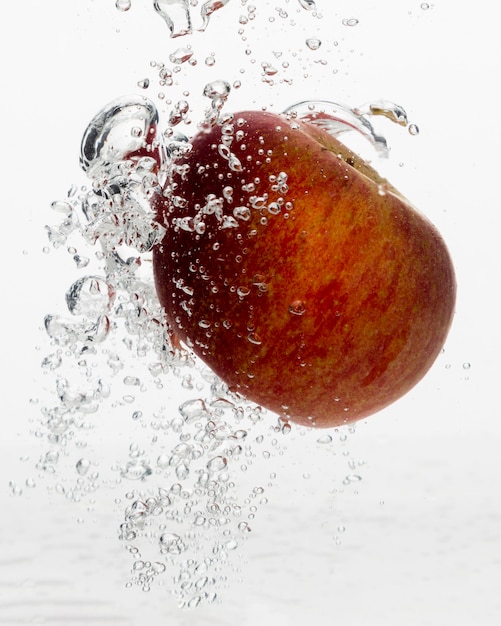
x: 337, y: 119
x: 124, y: 126
x: 394, y: 112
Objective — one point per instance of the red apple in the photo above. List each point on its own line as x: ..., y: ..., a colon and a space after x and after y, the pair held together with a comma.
x: 300, y: 276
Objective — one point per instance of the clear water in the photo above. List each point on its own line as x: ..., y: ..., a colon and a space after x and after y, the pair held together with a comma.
x: 134, y: 484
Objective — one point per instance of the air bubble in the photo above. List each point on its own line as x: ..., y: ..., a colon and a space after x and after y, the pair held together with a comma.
x: 123, y: 5
x: 83, y: 466
x: 181, y: 55
x: 231, y: 544
x: 61, y: 207
x: 52, y: 361
x: 171, y: 543
x: 217, y: 464
x: 193, y: 409
x: 137, y: 469
x: 297, y: 307
x: 90, y: 295
x: 254, y: 338
x: 313, y: 43
x: 325, y: 439
x: 352, y: 478
x: 218, y: 89
x: 108, y: 137
x: 352, y: 21
x: 308, y: 5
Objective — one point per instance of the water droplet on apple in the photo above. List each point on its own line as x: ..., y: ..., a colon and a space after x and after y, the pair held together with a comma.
x: 297, y: 307
x: 254, y: 338
x: 243, y: 291
x: 242, y: 213
x: 274, y: 208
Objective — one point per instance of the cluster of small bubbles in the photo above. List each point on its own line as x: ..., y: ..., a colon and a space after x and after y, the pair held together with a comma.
x: 200, y: 505
x: 15, y: 489
x: 210, y: 61
x: 268, y: 70
x: 352, y: 478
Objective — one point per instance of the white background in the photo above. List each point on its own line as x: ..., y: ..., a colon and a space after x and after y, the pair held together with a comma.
x: 419, y: 540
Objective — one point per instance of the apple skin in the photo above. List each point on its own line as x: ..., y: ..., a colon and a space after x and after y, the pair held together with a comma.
x: 325, y: 311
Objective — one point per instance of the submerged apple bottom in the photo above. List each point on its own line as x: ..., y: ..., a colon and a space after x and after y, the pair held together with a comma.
x: 304, y: 288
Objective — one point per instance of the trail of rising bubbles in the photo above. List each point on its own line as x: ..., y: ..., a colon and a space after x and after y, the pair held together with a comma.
x: 191, y: 501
